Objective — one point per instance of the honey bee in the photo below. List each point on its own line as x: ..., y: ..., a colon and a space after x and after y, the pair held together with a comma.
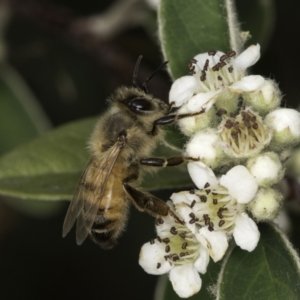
x: 122, y: 140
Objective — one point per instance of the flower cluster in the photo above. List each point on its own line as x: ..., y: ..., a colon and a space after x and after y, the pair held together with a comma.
x: 237, y: 140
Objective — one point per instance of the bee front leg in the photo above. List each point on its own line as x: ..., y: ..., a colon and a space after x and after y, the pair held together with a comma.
x: 166, y: 162
x: 170, y: 119
x: 148, y: 203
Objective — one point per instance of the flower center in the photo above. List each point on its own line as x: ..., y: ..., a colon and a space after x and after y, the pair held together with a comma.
x: 216, y: 209
x: 217, y: 72
x: 245, y: 134
x: 181, y: 246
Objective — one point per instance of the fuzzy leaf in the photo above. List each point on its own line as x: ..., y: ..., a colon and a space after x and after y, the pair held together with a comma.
x: 21, y: 118
x: 49, y: 167
x: 270, y: 272
x: 189, y: 28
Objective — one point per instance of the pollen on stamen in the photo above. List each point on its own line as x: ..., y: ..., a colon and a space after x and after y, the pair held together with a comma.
x: 182, y: 235
x: 231, y: 53
x: 221, y: 223
x: 245, y: 134
x: 212, y: 53
x: 184, y: 245
x: 203, y: 198
x: 173, y: 230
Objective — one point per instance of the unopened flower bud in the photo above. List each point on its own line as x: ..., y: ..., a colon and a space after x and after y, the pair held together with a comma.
x: 285, y: 124
x: 191, y: 125
x: 266, y: 204
x: 265, y: 99
x: 205, y: 145
x: 266, y: 168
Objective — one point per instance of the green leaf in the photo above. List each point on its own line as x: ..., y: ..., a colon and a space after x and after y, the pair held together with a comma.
x: 270, y: 272
x: 49, y: 167
x: 164, y: 289
x: 21, y: 117
x: 261, y: 26
x: 188, y: 28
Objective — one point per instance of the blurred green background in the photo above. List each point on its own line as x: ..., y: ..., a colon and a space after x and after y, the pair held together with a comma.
x: 52, y: 71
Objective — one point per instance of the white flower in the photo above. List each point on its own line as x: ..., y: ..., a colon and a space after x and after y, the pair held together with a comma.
x: 177, y: 251
x: 215, y: 76
x: 217, y: 210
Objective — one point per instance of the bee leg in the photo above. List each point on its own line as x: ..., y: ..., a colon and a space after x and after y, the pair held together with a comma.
x: 166, y: 162
x: 148, y: 203
x: 169, y: 119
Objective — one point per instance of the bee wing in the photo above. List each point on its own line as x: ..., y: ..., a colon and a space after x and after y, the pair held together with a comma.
x: 76, y: 204
x: 83, y: 208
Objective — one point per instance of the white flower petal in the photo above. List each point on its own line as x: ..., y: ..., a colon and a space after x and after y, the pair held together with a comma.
x: 202, y: 262
x: 213, y: 59
x: 151, y: 255
x: 248, y: 57
x: 182, y: 201
x: 185, y: 280
x: 216, y: 242
x: 202, y: 144
x: 247, y: 84
x: 245, y: 233
x: 202, y: 101
x: 182, y: 89
x: 241, y: 185
x: 201, y: 174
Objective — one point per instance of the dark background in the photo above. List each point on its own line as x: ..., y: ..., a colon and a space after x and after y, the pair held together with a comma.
x: 35, y: 262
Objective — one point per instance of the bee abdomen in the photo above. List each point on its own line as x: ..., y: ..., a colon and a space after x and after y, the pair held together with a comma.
x: 106, y: 239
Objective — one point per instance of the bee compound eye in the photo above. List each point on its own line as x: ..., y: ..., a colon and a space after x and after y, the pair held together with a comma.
x: 140, y: 104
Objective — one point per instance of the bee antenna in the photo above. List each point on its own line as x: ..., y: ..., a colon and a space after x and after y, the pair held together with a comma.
x: 135, y: 72
x: 152, y: 75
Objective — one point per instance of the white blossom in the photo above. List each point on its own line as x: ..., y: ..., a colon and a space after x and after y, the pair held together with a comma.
x: 213, y: 213
x: 215, y: 76
x: 176, y: 250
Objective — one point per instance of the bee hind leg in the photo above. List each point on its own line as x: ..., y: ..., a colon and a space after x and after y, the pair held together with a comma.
x: 149, y: 203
